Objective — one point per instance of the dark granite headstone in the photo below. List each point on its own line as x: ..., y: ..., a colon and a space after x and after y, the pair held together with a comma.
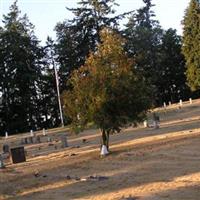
x: 38, y: 139
x: 26, y: 140
x: 30, y: 140
x: 18, y: 154
x: 22, y: 141
x: 6, y: 148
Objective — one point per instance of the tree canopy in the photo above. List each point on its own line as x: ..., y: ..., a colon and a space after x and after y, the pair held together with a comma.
x: 27, y: 91
x: 28, y: 95
x: 191, y: 47
x: 20, y: 62
x: 106, y: 90
x: 77, y: 37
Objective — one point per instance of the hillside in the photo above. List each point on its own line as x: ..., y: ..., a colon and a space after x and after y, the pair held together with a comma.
x: 144, y: 164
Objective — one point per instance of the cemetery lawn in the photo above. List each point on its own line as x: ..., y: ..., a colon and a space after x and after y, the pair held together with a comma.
x: 144, y: 164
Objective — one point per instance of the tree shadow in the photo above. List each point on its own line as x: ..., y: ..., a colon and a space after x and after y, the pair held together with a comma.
x: 140, y: 171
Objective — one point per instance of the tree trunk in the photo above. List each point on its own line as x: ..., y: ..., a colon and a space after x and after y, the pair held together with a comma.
x: 105, y: 138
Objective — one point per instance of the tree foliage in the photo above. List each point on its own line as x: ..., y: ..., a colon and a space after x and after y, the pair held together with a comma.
x: 171, y: 79
x: 157, y: 54
x: 105, y: 90
x: 26, y: 83
x: 191, y: 47
x: 143, y: 34
x: 20, y: 65
x: 77, y: 37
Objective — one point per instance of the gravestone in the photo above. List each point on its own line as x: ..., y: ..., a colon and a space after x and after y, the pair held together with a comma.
x: 64, y: 141
x: 22, y: 141
x: 31, y: 133
x: 155, y: 124
x: 2, y: 166
x: 6, y: 134
x: 104, y: 150
x: 190, y: 100
x: 6, y: 148
x: 26, y: 140
x: 30, y: 140
x: 44, y: 132
x: 38, y: 139
x: 145, y: 124
x: 49, y: 139
x: 18, y: 155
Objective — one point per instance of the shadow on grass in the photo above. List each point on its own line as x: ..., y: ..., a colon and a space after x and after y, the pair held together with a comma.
x: 137, y: 172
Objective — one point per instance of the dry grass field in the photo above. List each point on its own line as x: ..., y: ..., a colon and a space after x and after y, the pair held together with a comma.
x: 144, y: 164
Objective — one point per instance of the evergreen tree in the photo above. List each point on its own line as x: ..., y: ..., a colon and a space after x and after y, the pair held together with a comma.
x: 191, y: 47
x: 20, y: 67
x: 171, y: 79
x: 77, y: 37
x: 106, y: 90
x: 143, y: 34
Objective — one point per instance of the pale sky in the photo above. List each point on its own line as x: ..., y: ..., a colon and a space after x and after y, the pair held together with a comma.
x: 44, y: 14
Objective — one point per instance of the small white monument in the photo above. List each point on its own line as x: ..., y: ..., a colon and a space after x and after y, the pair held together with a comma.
x: 180, y: 102
x: 43, y: 131
x: 145, y: 124
x: 190, y: 100
x: 6, y: 134
x: 170, y: 103
x: 31, y: 133
x: 164, y: 104
x: 104, y: 150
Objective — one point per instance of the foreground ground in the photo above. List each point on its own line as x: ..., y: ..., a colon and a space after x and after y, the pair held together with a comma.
x: 145, y: 164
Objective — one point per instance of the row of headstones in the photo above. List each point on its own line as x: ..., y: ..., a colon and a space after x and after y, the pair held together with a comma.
x: 31, y: 140
x: 180, y: 103
x: 18, y: 154
x: 32, y: 134
x: 37, y: 139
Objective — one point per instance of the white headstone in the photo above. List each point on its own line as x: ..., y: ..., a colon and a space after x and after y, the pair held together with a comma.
x: 104, y: 150
x: 170, y: 103
x: 164, y: 104
x: 31, y: 133
x: 145, y: 123
x: 180, y: 102
x: 190, y: 100
x: 6, y: 134
x: 43, y: 131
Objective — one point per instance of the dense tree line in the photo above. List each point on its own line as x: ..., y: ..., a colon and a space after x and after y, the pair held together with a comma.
x: 28, y: 97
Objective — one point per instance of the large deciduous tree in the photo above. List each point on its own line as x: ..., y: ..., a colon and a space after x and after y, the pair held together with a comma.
x: 106, y: 90
x: 191, y: 43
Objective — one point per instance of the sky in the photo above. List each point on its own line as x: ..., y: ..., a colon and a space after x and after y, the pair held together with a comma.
x: 45, y: 14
